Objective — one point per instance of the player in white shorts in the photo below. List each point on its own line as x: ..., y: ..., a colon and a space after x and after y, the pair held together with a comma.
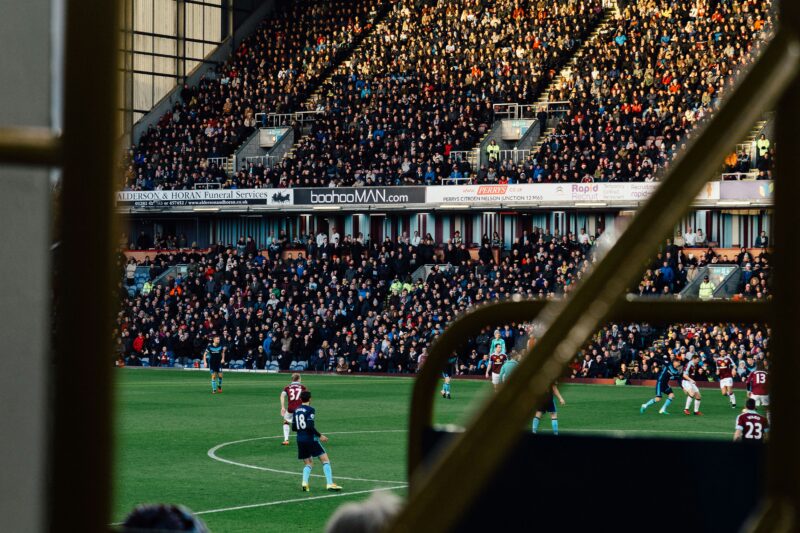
x: 757, y: 383
x: 689, y: 385
x: 496, y: 360
x: 725, y: 368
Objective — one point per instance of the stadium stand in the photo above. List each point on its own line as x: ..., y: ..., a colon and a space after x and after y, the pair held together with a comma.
x: 424, y: 87
x: 354, y: 306
x: 274, y: 70
x: 637, y: 94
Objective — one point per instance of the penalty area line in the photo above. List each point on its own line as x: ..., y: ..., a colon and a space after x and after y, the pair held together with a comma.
x: 297, y: 500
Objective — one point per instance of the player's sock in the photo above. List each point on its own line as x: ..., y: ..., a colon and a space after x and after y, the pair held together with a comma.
x: 306, y: 474
x: 732, y: 398
x: 555, y: 427
x: 688, y: 402
x: 326, y: 468
x: 666, y: 404
x: 535, y: 424
x: 286, y: 430
x: 219, y: 382
x: 650, y: 402
x: 696, y: 405
x: 213, y: 385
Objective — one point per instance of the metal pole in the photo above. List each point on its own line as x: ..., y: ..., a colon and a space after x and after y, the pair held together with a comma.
x: 81, y: 452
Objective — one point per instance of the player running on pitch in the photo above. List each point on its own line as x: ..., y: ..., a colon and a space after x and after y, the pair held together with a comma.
x: 725, y: 366
x: 750, y: 425
x: 291, y: 392
x: 689, y: 385
x: 497, y: 358
x: 213, y: 359
x: 549, y: 405
x: 308, y: 443
x: 671, y: 370
x: 757, y: 385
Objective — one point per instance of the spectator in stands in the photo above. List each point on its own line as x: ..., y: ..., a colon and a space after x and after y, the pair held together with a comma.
x: 762, y: 241
x: 707, y: 289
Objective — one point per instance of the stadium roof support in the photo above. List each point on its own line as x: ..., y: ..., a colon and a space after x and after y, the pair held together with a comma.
x: 464, y: 462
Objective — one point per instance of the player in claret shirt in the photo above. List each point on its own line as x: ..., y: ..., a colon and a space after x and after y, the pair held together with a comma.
x: 750, y: 425
x: 689, y: 385
x: 291, y: 392
x: 757, y: 384
x: 725, y: 367
x: 497, y: 358
x: 308, y: 443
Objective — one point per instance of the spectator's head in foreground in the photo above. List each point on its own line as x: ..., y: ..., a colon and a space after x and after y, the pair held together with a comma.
x: 163, y: 517
x: 370, y: 516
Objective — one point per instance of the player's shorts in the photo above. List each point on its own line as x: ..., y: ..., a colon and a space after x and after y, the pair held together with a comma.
x: 760, y: 399
x: 661, y: 390
x: 288, y: 417
x: 549, y: 406
x: 307, y: 450
x: 725, y: 382
x: 215, y: 364
x: 690, y: 388
x: 495, y: 378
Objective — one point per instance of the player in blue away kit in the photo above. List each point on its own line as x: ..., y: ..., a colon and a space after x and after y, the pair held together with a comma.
x: 213, y: 358
x: 452, y: 368
x: 669, y: 371
x: 549, y: 405
x: 446, y: 386
x: 308, y: 443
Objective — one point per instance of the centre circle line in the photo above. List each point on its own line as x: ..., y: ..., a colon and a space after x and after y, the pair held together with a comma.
x: 212, y: 453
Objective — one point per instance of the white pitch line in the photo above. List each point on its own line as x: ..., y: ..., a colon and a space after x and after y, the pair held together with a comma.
x: 296, y: 500
x: 212, y: 453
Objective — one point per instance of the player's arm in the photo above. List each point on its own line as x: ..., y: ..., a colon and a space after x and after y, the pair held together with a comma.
x: 558, y: 395
x: 283, y: 403
x: 313, y: 427
x: 737, y: 435
x: 223, y: 353
x: 205, y: 354
x: 488, y: 367
x: 687, y: 377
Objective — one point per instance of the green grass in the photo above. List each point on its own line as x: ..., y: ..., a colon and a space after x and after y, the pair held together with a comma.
x: 168, y: 421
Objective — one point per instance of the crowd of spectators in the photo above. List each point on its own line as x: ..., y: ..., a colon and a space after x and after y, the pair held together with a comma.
x: 662, y: 67
x: 678, y: 264
x: 422, y: 86
x: 639, y: 351
x: 273, y: 71
x: 351, y: 305
x: 351, y: 299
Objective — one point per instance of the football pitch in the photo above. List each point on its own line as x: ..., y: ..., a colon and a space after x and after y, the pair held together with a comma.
x: 222, y: 456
